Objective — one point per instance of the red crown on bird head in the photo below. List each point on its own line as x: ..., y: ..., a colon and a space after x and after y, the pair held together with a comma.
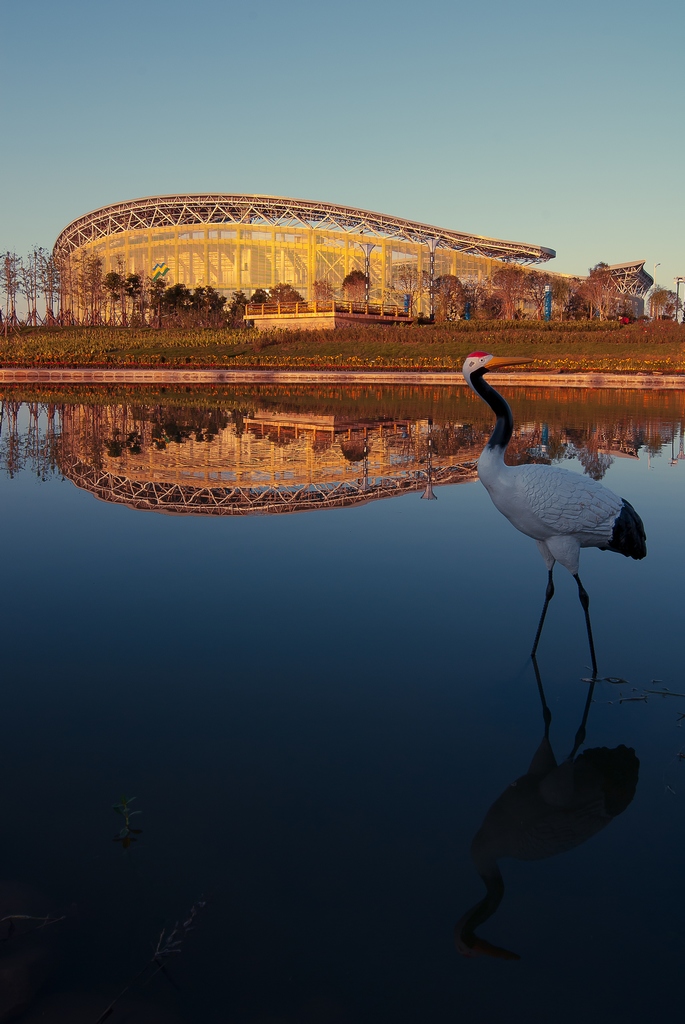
x: 476, y: 355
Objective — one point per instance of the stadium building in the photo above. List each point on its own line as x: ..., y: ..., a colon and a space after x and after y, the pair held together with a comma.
x: 249, y: 242
x: 243, y: 242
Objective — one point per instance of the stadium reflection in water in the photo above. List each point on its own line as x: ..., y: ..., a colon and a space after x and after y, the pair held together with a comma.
x: 249, y: 455
x: 263, y: 462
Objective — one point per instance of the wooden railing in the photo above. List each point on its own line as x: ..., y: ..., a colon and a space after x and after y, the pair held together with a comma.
x: 324, y: 306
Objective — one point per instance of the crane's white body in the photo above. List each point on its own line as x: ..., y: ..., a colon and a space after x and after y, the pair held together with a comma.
x: 562, y: 511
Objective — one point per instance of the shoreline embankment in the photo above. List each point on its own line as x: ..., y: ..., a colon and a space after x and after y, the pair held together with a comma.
x: 653, y: 381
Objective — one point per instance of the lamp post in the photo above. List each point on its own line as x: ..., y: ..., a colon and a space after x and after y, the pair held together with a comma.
x: 432, y: 244
x: 428, y: 493
x: 678, y: 282
x: 367, y: 247
x: 654, y: 283
x: 365, y: 464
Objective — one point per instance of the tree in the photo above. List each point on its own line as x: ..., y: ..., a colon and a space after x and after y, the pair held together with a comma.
x: 88, y: 280
x: 11, y: 264
x: 484, y: 303
x: 536, y: 287
x: 113, y: 284
x: 49, y: 279
x: 354, y: 286
x: 566, y: 300
x: 28, y: 283
x: 209, y: 303
x: 510, y: 285
x: 156, y: 289
x: 260, y: 297
x: 134, y: 290
x: 662, y: 304
x: 284, y: 293
x: 323, y: 290
x: 448, y: 298
x: 599, y: 291
x: 177, y: 298
x: 406, y: 281
x: 236, y: 309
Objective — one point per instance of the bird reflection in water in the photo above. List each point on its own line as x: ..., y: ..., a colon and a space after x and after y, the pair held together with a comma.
x: 552, y: 808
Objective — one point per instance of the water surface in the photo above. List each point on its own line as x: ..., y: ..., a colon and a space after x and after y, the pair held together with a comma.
x: 315, y: 711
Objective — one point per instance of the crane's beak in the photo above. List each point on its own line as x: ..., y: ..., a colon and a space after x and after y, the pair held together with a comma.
x: 497, y: 361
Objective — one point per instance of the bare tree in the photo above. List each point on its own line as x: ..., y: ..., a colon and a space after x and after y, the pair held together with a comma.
x: 69, y: 289
x: 323, y: 290
x: 510, y: 285
x: 90, y: 286
x: 536, y: 287
x: 11, y: 266
x: 29, y: 276
x: 407, y: 281
x: 49, y: 282
x: 599, y: 291
x: 121, y: 271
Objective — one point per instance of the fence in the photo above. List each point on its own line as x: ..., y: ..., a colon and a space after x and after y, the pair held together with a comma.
x: 325, y: 306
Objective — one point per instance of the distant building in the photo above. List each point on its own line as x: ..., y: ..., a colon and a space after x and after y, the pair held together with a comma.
x: 632, y: 283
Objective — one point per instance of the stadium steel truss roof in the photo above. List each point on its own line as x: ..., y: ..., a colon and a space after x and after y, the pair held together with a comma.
x: 631, y: 278
x: 187, y: 499
x: 274, y: 211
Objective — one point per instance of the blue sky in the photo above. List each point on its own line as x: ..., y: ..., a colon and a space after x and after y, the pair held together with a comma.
x: 561, y: 125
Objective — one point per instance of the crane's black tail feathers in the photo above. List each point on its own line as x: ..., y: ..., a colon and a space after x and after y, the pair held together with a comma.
x: 628, y: 537
x: 614, y: 771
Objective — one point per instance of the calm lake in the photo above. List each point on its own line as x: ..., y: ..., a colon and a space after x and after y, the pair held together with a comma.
x: 315, y: 684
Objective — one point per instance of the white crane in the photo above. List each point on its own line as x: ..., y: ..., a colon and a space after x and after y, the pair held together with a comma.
x: 562, y: 511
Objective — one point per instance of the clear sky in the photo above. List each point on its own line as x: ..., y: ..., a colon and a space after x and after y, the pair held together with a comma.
x: 558, y: 124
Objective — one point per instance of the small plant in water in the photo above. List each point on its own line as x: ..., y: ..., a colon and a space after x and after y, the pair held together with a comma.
x: 127, y: 835
x: 167, y: 946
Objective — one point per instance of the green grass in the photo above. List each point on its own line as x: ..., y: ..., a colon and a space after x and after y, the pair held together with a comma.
x: 579, y: 345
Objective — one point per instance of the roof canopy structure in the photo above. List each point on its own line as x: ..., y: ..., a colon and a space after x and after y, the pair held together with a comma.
x: 631, y: 278
x: 186, y: 499
x: 220, y: 208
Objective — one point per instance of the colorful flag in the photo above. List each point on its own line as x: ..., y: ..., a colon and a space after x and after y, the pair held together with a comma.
x: 159, y: 270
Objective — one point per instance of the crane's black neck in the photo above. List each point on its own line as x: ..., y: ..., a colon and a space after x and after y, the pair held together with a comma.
x: 467, y: 941
x: 504, y: 427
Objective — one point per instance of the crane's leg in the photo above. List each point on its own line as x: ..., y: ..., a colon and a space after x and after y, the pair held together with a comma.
x: 580, y: 735
x: 546, y: 713
x: 549, y: 594
x: 585, y: 602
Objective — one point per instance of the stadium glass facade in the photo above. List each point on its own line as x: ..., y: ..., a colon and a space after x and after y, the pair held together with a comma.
x: 242, y: 242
